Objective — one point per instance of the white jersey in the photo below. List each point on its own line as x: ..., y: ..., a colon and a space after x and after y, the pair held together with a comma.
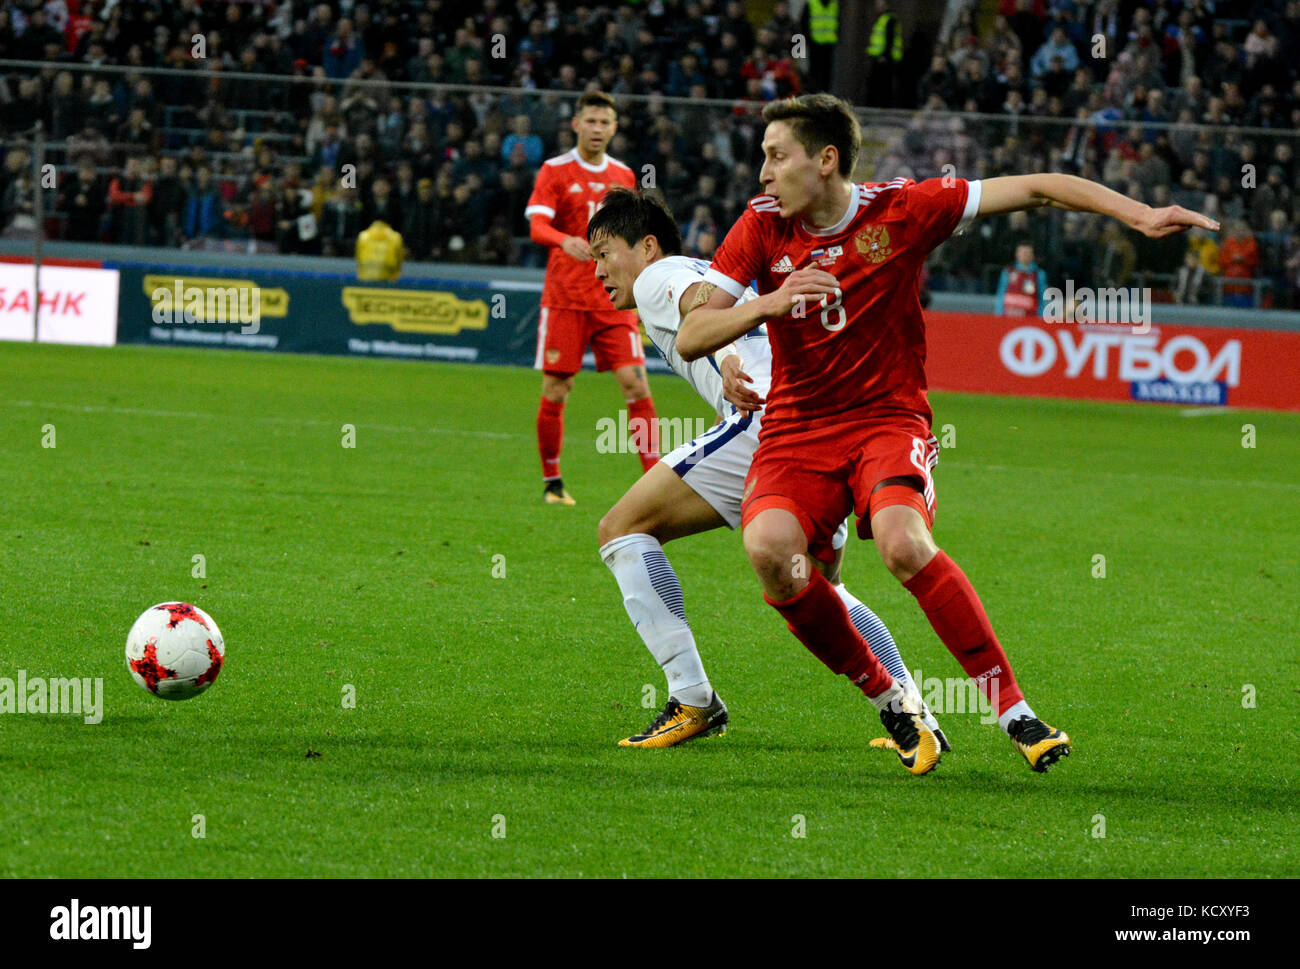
x: 658, y: 292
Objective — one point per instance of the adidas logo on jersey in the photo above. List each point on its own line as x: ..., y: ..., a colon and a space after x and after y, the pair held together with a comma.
x: 783, y: 265
x: 575, y: 187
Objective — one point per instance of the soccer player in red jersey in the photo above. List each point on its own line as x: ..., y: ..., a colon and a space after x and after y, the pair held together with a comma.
x: 575, y: 310
x: 847, y: 424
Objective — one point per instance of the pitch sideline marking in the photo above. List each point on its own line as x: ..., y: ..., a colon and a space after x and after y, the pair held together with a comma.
x: 202, y: 415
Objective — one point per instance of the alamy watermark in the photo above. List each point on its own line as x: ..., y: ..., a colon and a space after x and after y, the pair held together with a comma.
x: 1087, y: 304
x: 626, y: 435
x: 38, y: 694
x: 960, y: 694
x: 75, y: 922
x: 182, y: 304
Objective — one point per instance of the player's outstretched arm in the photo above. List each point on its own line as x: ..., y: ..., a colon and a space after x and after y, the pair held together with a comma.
x: 720, y: 319
x: 1010, y: 193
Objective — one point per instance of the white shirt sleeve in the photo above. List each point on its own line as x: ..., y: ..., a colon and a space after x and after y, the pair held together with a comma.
x: 724, y: 283
x: 973, y: 191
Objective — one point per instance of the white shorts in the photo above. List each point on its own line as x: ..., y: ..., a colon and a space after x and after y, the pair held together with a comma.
x: 716, y: 464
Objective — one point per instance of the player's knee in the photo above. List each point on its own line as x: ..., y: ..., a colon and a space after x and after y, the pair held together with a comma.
x: 618, y: 522
x: 904, y: 554
x: 635, y: 390
x: 556, y: 389
x: 769, y: 553
x: 613, y: 524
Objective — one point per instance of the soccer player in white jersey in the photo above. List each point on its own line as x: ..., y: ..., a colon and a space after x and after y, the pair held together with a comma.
x: 697, y: 487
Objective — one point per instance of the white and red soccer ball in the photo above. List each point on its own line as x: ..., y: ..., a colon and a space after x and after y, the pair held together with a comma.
x: 174, y: 650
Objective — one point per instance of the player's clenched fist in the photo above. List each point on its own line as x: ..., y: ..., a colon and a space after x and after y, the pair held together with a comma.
x: 801, y: 288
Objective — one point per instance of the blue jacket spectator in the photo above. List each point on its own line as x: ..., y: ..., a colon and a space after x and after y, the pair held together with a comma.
x: 344, y: 51
x: 1058, y: 45
x: 204, y: 210
x: 533, y: 147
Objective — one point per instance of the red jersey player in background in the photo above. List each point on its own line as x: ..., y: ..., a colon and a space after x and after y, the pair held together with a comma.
x: 576, y: 313
x: 847, y: 424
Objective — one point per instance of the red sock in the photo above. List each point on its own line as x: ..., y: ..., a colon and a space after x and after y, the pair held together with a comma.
x: 818, y: 617
x: 957, y: 615
x: 550, y: 436
x: 645, y: 435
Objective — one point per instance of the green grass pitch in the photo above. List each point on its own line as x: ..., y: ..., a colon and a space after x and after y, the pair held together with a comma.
x: 490, y: 704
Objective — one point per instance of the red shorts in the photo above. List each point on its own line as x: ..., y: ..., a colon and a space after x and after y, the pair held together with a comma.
x: 822, y: 474
x: 563, y: 336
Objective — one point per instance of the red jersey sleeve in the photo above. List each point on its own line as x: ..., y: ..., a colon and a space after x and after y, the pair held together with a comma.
x: 545, y: 199
x: 742, y: 255
x: 938, y: 207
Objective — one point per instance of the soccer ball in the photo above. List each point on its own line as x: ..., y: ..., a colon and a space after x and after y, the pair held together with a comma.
x: 174, y: 650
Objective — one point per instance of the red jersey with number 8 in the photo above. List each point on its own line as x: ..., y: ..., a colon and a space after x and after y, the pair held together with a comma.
x: 568, y: 190
x: 860, y: 353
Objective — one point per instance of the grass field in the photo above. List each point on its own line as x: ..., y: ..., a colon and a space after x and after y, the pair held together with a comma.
x: 494, y: 702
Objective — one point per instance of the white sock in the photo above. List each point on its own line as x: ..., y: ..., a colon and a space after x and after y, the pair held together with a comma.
x: 652, y: 596
x: 1020, y: 709
x: 895, y: 692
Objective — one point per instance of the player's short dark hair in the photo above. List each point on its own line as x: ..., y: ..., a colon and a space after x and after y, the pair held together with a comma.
x: 595, y: 99
x: 631, y: 216
x: 818, y: 120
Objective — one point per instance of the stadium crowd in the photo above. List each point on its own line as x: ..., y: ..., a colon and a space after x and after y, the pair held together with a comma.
x: 174, y: 158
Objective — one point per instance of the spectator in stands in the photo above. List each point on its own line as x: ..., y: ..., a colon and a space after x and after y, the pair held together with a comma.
x: 378, y: 205
x: 166, y: 205
x: 204, y: 214
x: 404, y: 189
x: 939, y: 81
x: 1021, y: 286
x: 468, y: 48
x: 330, y: 153
x: 1075, y: 250
x: 1190, y: 281
x: 1239, y: 259
x: 39, y: 41
x: 134, y: 135
x: 1003, y: 45
x: 521, y: 134
x: 295, y: 226
x: 1268, y: 198
x: 17, y: 195
x: 128, y: 200
x: 343, y: 52
x: 701, y: 223
x: 82, y: 200
x: 65, y: 108
x: 420, y: 224
x: 1260, y: 48
x: 884, y: 54
x: 1058, y: 45
x: 497, y: 248
x: 1277, y: 245
x: 1118, y: 256
x: 262, y: 209
x: 462, y: 225
x: 341, y: 222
